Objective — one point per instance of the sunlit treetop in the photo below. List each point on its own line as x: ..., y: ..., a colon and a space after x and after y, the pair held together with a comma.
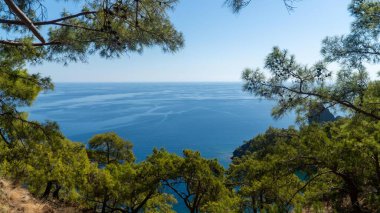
x: 110, y: 148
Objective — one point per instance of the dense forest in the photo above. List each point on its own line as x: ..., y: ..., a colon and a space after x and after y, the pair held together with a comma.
x: 327, y: 162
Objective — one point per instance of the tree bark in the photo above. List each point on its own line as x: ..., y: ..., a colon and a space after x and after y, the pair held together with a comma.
x: 21, y: 15
x: 355, y: 201
x: 353, y: 192
x: 254, y: 207
x: 377, y: 166
x: 56, y: 191
x: 47, y: 189
x: 104, y: 204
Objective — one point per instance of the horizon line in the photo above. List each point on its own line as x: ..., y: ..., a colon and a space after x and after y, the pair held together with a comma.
x: 79, y: 82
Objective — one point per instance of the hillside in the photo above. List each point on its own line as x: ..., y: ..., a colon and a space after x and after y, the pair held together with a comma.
x: 15, y: 199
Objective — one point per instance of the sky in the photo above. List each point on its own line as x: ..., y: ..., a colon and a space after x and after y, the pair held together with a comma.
x: 218, y: 43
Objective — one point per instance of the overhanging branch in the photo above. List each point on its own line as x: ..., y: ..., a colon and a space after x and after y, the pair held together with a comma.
x: 324, y: 97
x: 21, y: 15
x: 17, y: 43
x: 54, y: 21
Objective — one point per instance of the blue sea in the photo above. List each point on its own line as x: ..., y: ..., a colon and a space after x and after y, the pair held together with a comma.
x: 213, y: 118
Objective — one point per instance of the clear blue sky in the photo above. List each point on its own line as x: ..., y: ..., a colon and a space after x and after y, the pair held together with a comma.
x: 218, y: 43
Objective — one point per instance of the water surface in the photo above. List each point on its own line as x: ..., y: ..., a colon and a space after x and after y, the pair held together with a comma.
x: 213, y: 118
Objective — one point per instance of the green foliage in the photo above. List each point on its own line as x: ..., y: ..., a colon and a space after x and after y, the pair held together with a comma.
x: 228, y: 202
x: 127, y: 186
x: 198, y: 181
x: 265, y: 177
x: 331, y: 166
x: 140, y: 186
x: 43, y: 162
x: 109, y: 148
x: 305, y: 89
x: 320, y: 164
x: 105, y: 177
x: 18, y: 89
x: 120, y: 184
x: 108, y: 27
x: 37, y: 154
x: 65, y: 164
x: 162, y: 203
x: 260, y: 143
x: 318, y: 167
x: 361, y: 44
x: 237, y: 5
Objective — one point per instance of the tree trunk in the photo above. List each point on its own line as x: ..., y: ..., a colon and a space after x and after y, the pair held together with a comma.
x: 354, y: 196
x: 192, y: 210
x: 261, y: 205
x: 56, y: 191
x: 254, y: 207
x: 104, y: 205
x: 353, y: 191
x: 47, y: 189
x: 355, y: 201
x: 377, y: 166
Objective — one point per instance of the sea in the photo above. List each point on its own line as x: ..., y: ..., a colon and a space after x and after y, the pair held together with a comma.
x: 212, y: 118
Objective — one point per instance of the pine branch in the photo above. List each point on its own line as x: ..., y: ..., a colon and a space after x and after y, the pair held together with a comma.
x: 27, y: 22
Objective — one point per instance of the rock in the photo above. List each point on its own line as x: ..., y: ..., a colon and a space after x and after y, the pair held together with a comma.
x: 320, y: 115
x: 47, y: 209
